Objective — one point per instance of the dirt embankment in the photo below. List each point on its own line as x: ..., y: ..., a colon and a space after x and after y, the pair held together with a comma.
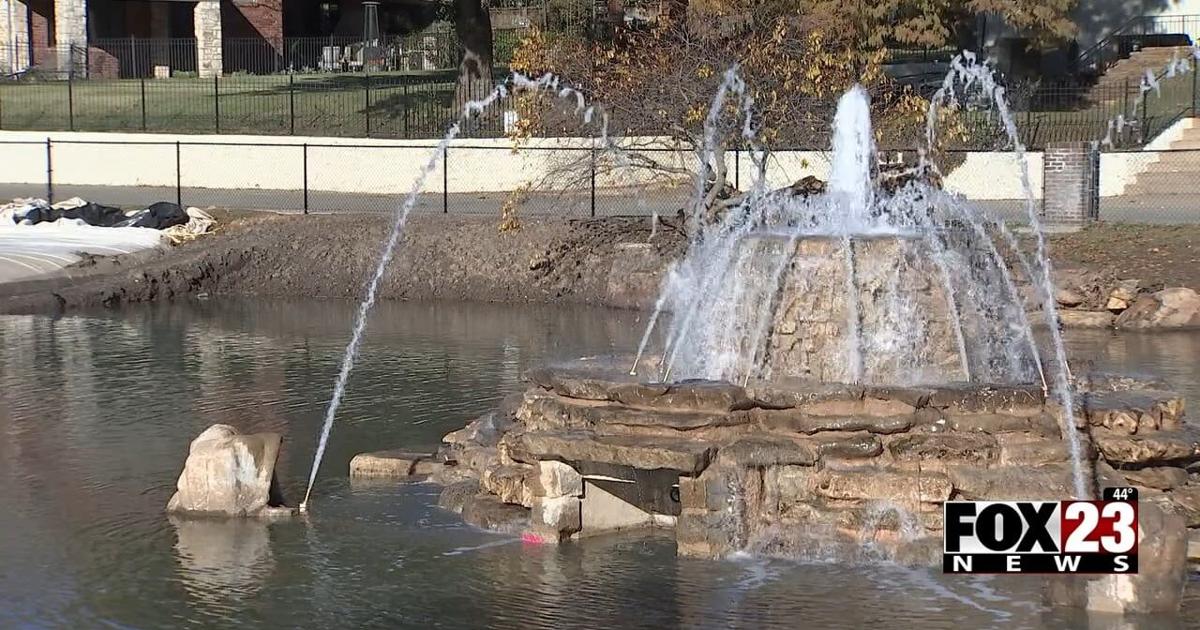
x: 609, y: 261
x: 450, y: 258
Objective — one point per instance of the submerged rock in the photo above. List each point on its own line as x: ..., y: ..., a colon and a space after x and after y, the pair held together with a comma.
x: 230, y: 474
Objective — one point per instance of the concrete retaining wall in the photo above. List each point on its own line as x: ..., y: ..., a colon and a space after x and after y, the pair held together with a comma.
x: 476, y: 165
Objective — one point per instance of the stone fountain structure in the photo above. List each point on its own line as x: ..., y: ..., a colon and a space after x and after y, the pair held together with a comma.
x: 836, y: 366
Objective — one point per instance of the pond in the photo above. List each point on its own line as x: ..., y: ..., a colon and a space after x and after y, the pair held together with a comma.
x: 96, y: 413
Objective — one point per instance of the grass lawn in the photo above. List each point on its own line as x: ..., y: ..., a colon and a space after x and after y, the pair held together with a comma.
x: 396, y: 105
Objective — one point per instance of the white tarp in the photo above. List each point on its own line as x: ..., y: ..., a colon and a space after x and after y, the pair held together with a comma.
x: 28, y: 251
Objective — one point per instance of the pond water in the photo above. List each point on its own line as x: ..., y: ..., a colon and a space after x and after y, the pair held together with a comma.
x: 96, y: 413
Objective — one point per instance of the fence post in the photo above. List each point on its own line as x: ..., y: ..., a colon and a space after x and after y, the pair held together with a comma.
x: 49, y: 173
x: 406, y: 110
x: 593, y: 191
x: 178, y: 177
x: 367, y: 101
x: 305, y: 178
x: 445, y: 178
x: 292, y: 102
x: 216, y: 105
x: 1195, y: 71
x: 71, y: 97
x: 143, y: 103
x: 1145, y: 121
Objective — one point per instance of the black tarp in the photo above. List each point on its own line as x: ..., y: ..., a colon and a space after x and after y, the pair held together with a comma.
x: 159, y: 215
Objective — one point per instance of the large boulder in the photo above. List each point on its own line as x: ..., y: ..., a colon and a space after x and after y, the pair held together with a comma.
x: 1169, y: 308
x: 229, y: 474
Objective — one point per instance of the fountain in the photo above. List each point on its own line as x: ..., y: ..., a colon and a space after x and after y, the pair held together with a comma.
x: 835, y: 366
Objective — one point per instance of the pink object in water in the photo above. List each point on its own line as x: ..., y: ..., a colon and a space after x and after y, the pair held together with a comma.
x: 532, y: 538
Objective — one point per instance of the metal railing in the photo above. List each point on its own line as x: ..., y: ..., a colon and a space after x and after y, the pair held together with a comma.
x: 1140, y: 32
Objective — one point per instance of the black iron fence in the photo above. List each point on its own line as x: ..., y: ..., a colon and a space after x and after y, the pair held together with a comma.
x: 1135, y: 186
x: 397, y: 104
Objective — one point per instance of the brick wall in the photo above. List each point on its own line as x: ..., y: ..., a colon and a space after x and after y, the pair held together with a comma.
x: 1070, y: 184
x: 253, y: 18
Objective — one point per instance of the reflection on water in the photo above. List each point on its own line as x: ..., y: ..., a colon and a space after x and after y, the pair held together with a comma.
x: 96, y: 414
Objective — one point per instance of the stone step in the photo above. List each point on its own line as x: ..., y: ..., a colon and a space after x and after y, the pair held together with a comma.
x: 647, y: 453
x: 1137, y: 411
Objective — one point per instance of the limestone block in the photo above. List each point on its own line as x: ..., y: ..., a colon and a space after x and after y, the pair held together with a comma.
x: 1011, y: 483
x: 800, y: 421
x: 228, y: 473
x: 1086, y: 319
x: 510, y: 483
x: 1156, y: 588
x: 980, y: 448
x: 393, y: 463
x: 883, y: 484
x: 556, y: 479
x: 1148, y: 448
x: 759, y: 451
x: 557, y: 518
x: 1157, y: 477
x: 649, y: 453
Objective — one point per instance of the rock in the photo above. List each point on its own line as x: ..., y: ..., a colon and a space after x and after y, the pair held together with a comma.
x: 489, y: 512
x: 1158, y: 585
x: 939, y: 447
x: 832, y: 446
x: 1011, y: 483
x: 542, y: 411
x: 509, y: 483
x: 974, y: 398
x: 1169, y: 308
x: 556, y: 479
x: 229, y: 473
x: 1041, y: 424
x: 763, y: 451
x: 1134, y: 411
x: 880, y: 484
x: 1186, y: 502
x: 577, y: 382
x: 789, y: 393
x: 393, y: 463
x: 1149, y: 448
x: 455, y: 495
x: 1069, y: 298
x: 1086, y: 319
x: 485, y: 430
x: 643, y: 452
x: 554, y: 519
x: 1115, y: 304
x: 915, y: 397
x: 705, y: 396
x: 1020, y: 449
x: 799, y: 421
x: 477, y: 458
x: 1158, y: 477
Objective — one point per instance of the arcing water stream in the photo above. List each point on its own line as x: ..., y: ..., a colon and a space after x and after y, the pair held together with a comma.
x: 518, y: 82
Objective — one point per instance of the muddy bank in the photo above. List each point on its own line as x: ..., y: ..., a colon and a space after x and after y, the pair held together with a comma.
x: 1100, y: 272
x: 611, y: 261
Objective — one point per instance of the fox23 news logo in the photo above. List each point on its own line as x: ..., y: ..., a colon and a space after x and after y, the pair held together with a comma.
x: 1043, y: 536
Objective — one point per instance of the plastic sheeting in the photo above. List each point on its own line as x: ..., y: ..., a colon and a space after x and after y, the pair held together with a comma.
x: 37, y: 238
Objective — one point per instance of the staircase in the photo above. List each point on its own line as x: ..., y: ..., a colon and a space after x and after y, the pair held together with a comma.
x: 1176, y: 171
x: 1128, y: 73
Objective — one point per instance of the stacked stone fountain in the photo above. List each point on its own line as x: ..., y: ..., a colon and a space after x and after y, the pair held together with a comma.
x: 836, y: 366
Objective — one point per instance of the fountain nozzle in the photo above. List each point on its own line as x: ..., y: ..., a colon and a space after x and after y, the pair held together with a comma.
x: 303, y: 508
